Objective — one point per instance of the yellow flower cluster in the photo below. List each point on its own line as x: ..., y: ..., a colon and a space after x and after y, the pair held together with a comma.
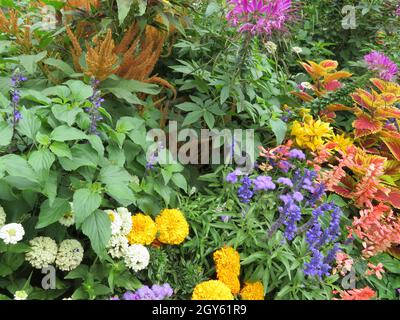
x: 252, y: 291
x: 342, y: 142
x: 212, y: 290
x: 311, y: 133
x: 227, y: 264
x: 144, y: 230
x: 172, y: 226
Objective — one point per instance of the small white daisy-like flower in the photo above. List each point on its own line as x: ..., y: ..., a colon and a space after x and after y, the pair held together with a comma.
x: 137, y: 257
x: 70, y: 255
x: 2, y: 216
x: 117, y: 246
x: 126, y: 218
x: 297, y: 50
x: 271, y: 47
x: 116, y: 221
x: 12, y: 233
x: 20, y: 295
x: 68, y: 219
x: 43, y: 252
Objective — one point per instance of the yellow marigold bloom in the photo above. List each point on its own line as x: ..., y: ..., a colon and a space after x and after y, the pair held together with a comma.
x: 172, y: 226
x: 144, y: 230
x: 342, y: 142
x: 212, y: 290
x: 252, y: 291
x: 230, y: 280
x: 311, y: 133
x: 227, y: 262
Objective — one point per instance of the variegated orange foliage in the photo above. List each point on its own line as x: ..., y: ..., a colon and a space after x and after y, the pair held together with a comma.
x: 325, y: 78
x: 377, y: 118
x: 366, y: 183
x: 378, y: 229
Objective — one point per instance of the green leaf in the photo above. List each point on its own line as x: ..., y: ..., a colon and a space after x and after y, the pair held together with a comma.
x: 82, y: 155
x: 65, y: 113
x: 41, y: 160
x: 180, y: 181
x: 125, y: 94
x: 79, y: 90
x: 126, y: 124
x: 98, y: 229
x: 51, y: 213
x: 112, y: 174
x: 29, y: 125
x: 225, y: 92
x: 18, y: 167
x: 5, y: 133
x: 80, y: 272
x: 209, y: 118
x: 124, y: 7
x: 10, y: 262
x: 65, y: 133
x: 29, y: 62
x: 59, y: 64
x: 121, y: 193
x: 96, y: 144
x: 279, y: 128
x: 61, y: 149
x: 192, y: 117
x: 188, y: 106
x: 85, y: 203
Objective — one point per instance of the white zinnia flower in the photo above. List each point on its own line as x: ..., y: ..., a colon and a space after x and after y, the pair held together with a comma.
x: 2, y: 217
x: 116, y: 221
x: 12, y: 233
x: 137, y: 257
x: 297, y: 50
x: 68, y: 219
x: 20, y: 295
x: 271, y: 47
x: 126, y: 219
x: 70, y: 255
x: 43, y: 252
x: 117, y: 246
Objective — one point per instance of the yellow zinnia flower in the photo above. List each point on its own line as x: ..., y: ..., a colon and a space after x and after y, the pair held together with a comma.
x: 172, y: 226
x: 212, y: 290
x: 252, y: 291
x: 144, y: 230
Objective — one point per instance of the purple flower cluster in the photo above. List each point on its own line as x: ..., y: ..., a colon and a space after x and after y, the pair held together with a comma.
x: 385, y: 68
x: 245, y: 193
x: 263, y: 183
x: 259, y: 16
x: 93, y: 111
x: 16, y: 81
x: 317, y: 238
x: 156, y: 292
x: 292, y: 215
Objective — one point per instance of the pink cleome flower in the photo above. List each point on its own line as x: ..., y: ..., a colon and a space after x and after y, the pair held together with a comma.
x: 259, y: 16
x: 382, y: 65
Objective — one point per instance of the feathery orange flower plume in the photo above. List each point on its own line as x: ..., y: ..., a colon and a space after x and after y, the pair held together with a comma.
x: 356, y: 294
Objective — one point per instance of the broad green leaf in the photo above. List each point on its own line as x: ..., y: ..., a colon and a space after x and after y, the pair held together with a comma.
x: 97, y: 227
x: 6, y: 133
x: 192, y: 117
x: 112, y: 174
x: 121, y: 193
x: 79, y: 90
x: 29, y: 125
x: 65, y: 133
x: 29, y: 62
x: 65, y: 113
x: 59, y: 64
x: 41, y: 160
x: 18, y: 167
x: 124, y: 7
x: 51, y: 213
x: 85, y: 203
x: 180, y: 181
x: 61, y: 149
x: 279, y: 128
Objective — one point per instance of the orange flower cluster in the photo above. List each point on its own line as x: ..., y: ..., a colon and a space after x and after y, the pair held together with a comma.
x: 356, y: 294
x: 22, y: 33
x: 378, y: 228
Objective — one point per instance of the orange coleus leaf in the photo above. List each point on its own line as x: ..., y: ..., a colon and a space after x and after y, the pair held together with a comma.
x: 332, y: 85
x: 303, y: 96
x: 365, y: 125
x: 392, y: 167
x: 392, y: 197
x: 338, y: 107
x: 337, y: 76
x: 329, y: 65
x: 388, y: 112
x: 363, y: 98
x: 393, y: 143
x: 388, y: 87
x: 315, y: 70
